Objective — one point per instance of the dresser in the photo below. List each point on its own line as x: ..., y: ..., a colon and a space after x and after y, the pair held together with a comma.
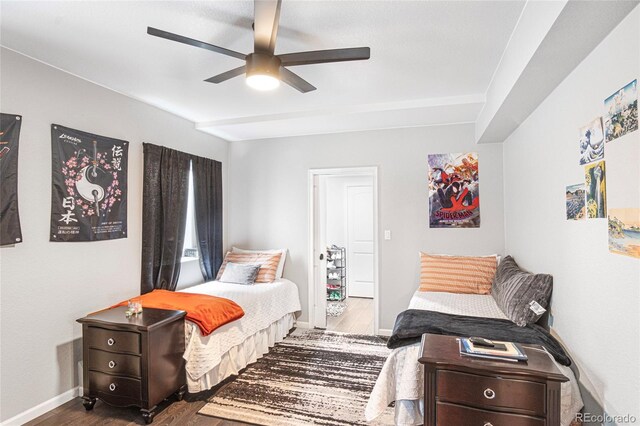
x: 470, y: 391
x: 134, y: 361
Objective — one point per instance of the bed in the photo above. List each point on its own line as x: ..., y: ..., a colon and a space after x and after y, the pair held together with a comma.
x: 269, y: 316
x: 402, y: 376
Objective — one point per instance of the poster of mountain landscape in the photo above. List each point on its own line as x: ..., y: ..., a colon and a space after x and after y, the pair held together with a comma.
x: 595, y: 182
x: 576, y: 208
x: 621, y: 112
x: 624, y: 232
x: 592, y: 142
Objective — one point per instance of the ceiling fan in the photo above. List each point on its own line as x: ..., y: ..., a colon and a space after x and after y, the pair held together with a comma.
x: 263, y: 68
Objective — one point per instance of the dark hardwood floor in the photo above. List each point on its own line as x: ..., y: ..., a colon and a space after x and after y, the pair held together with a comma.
x: 170, y: 412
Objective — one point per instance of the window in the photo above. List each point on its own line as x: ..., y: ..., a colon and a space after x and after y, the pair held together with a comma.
x: 190, y: 248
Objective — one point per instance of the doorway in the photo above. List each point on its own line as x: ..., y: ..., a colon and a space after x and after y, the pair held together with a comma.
x: 344, y: 250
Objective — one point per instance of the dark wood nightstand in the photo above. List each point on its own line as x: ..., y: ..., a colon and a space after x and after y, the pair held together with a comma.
x: 133, y: 361
x: 468, y: 391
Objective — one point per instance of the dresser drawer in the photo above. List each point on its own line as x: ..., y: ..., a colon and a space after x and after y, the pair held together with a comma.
x: 113, y: 341
x: 491, y: 392
x: 114, y: 363
x: 117, y: 387
x: 451, y: 414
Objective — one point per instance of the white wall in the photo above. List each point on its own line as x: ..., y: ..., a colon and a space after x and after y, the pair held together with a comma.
x: 268, y: 200
x: 596, y: 296
x: 47, y: 286
x: 336, y: 217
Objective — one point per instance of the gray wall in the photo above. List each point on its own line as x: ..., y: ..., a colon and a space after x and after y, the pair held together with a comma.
x: 268, y: 200
x: 596, y: 297
x: 46, y: 286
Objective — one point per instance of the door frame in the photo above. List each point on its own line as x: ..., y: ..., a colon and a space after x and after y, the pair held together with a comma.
x: 312, y: 289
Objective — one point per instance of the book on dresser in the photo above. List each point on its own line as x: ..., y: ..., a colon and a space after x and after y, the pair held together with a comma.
x: 503, y: 351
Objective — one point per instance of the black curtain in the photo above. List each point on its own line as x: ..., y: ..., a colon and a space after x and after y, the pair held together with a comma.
x: 164, y: 215
x: 207, y: 183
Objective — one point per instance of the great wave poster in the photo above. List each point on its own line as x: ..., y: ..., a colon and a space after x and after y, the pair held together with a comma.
x: 89, y: 186
x: 454, y: 193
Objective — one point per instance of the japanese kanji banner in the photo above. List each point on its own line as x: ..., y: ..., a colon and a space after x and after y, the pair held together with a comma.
x: 10, y: 232
x: 89, y: 186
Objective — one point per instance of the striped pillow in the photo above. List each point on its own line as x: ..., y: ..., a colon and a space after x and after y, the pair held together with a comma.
x: 457, y: 274
x: 268, y: 264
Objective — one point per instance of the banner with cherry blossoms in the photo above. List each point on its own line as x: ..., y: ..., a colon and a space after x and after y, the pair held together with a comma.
x: 89, y: 186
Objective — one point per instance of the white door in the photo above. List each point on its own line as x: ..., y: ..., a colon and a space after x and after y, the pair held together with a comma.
x: 360, y: 241
x: 319, y: 253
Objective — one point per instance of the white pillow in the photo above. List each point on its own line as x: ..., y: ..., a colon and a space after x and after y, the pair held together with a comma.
x: 280, y: 264
x: 239, y: 273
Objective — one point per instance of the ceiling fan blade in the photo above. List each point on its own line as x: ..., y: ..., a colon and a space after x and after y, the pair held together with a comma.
x: 266, y: 16
x: 323, y: 56
x: 227, y: 75
x: 192, y: 42
x: 295, y: 81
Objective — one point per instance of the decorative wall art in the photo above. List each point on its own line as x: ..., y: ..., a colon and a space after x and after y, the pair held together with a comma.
x: 591, y: 142
x: 10, y: 232
x: 595, y: 182
x: 624, y: 232
x: 576, y: 209
x: 621, y: 112
x: 89, y: 186
x: 454, y: 195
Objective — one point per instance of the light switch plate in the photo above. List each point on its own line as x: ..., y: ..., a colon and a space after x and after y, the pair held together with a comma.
x: 387, y: 234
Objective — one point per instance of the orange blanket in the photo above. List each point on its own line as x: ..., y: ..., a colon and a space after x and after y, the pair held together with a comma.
x: 207, y: 312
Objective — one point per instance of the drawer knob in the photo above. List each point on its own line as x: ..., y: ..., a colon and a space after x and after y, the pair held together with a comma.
x: 112, y: 364
x: 112, y: 387
x: 110, y: 341
x: 489, y: 394
x: 487, y: 424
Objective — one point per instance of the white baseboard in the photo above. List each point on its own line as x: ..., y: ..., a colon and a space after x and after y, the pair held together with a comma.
x: 384, y: 332
x: 40, y: 409
x: 302, y: 324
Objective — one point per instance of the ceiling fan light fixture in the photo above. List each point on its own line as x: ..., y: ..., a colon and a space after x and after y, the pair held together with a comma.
x: 262, y: 82
x: 263, y: 71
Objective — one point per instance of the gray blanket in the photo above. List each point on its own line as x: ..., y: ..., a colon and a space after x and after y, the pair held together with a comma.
x: 413, y: 323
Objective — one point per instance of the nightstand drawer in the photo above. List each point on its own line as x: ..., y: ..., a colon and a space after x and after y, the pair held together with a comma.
x: 116, y: 386
x: 113, y: 341
x: 451, y: 414
x: 491, y: 392
x: 114, y: 363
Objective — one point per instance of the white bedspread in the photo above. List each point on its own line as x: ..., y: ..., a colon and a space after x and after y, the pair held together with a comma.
x: 402, y: 376
x: 263, y: 305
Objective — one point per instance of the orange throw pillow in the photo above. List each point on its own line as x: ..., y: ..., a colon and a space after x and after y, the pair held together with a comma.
x: 457, y: 274
x: 268, y: 264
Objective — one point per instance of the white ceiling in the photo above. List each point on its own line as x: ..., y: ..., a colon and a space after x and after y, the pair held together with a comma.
x: 431, y: 61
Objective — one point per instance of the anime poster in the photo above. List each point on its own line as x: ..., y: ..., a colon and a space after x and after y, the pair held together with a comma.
x: 10, y: 232
x: 595, y: 183
x: 454, y: 195
x: 576, y: 209
x: 89, y: 186
x: 621, y: 112
x: 591, y: 142
x: 624, y: 232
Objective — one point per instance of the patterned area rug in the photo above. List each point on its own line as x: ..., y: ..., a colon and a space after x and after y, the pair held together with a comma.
x: 313, y: 377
